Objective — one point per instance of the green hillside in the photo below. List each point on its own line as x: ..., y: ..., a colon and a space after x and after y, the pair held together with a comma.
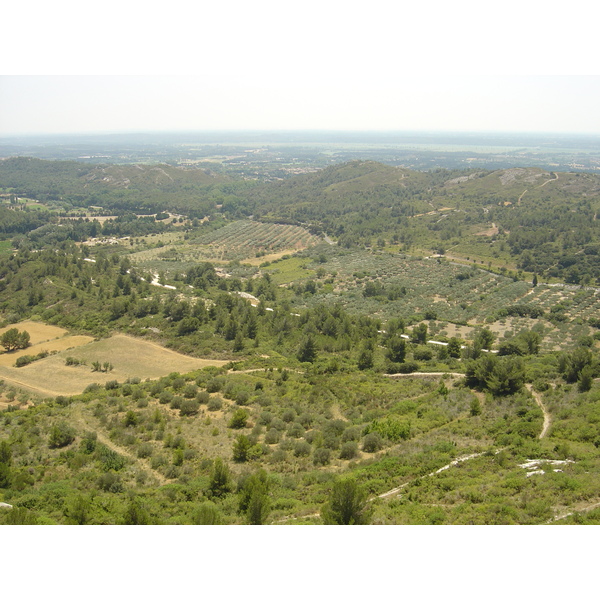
x: 417, y: 346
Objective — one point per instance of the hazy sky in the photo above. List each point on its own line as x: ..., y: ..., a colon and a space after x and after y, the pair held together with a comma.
x: 124, y: 66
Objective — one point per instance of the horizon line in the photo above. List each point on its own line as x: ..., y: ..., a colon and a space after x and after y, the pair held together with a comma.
x: 294, y: 131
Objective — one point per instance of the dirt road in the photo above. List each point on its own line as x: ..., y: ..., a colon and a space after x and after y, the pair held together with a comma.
x: 538, y: 399
x: 79, y: 419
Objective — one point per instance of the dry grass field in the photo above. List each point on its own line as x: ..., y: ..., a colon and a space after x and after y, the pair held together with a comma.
x: 38, y: 331
x: 7, y: 359
x: 130, y: 357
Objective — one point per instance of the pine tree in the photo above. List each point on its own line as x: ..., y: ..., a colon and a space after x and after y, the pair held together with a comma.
x: 308, y: 350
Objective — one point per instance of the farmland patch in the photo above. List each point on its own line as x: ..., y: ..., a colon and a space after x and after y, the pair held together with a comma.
x: 129, y: 357
x: 38, y: 331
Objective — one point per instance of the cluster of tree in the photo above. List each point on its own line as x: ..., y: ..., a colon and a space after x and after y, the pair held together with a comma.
x: 13, y: 339
x: 499, y: 375
x: 557, y: 242
x: 520, y: 310
x: 525, y: 342
x: 13, y: 222
x: 579, y: 366
x: 142, y: 188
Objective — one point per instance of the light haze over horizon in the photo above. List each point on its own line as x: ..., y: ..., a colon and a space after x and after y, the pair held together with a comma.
x: 31, y: 105
x: 439, y: 67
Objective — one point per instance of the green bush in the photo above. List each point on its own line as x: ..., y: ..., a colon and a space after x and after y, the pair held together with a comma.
x: 215, y: 403
x: 190, y: 391
x: 322, y: 456
x: 110, y: 482
x: 349, y: 450
x: 145, y: 450
x: 189, y: 407
x: 372, y: 442
x: 61, y: 435
x: 24, y: 360
x: 203, y: 397
x: 301, y: 448
x: 295, y: 430
x: 238, y: 419
x: 347, y: 504
x: 165, y: 397
x: 207, y: 514
x: 272, y: 436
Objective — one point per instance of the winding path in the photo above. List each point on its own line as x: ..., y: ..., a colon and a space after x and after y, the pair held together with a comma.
x: 547, y: 420
x: 81, y: 421
x: 398, y: 489
x: 583, y: 509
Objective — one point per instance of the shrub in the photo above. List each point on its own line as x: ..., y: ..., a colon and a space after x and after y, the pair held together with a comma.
x: 207, y: 514
x: 88, y: 443
x: 190, y: 391
x: 113, y: 384
x: 407, y: 367
x: 278, y: 456
x: 109, y: 459
x: 272, y: 436
x: 306, y: 419
x: 423, y: 353
x: 165, y: 397
x: 265, y: 417
x: 145, y: 450
x: 130, y: 419
x: 288, y: 415
x: 352, y: 434
x: 71, y: 361
x: 349, y: 450
x: 301, y: 448
x: 61, y: 435
x: 178, y: 383
x: 278, y: 424
x: 372, y: 442
x: 238, y: 419
x: 347, y: 504
x: 241, y: 397
x: 203, y: 397
x: 24, y: 360
x: 295, y: 430
x: 189, y: 407
x: 322, y: 456
x: 215, y: 403
x: 110, y: 482
x: 215, y: 385
x: 392, y: 428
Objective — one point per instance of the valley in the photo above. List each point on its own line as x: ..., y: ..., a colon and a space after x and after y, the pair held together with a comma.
x: 407, y: 338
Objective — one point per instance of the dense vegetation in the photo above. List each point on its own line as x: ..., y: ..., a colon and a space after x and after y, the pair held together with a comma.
x: 364, y: 384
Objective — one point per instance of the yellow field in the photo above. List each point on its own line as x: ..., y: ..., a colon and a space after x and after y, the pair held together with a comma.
x: 7, y: 359
x: 38, y: 332
x: 130, y: 357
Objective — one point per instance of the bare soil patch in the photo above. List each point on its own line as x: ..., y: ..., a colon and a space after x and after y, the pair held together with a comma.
x: 489, y: 232
x: 461, y: 331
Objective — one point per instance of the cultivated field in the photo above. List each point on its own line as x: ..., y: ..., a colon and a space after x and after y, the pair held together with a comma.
x: 130, y: 357
x: 247, y: 241
x: 38, y: 332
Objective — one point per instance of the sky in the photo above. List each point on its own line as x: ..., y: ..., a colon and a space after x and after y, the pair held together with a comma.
x: 523, y: 66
